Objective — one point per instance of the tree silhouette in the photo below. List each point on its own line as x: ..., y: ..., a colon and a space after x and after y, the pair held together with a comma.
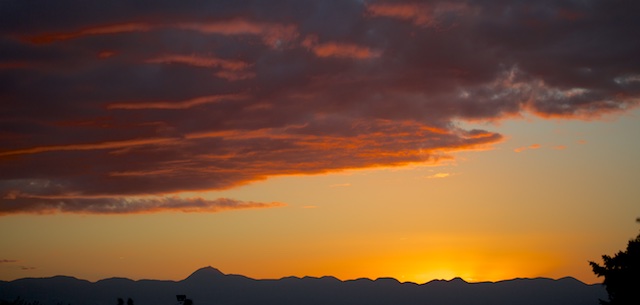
x: 129, y: 301
x: 621, y: 274
x: 120, y: 301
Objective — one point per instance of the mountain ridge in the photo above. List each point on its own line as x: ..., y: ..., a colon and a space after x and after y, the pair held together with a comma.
x: 209, y: 285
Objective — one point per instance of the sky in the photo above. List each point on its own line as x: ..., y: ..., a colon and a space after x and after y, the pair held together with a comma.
x: 420, y: 140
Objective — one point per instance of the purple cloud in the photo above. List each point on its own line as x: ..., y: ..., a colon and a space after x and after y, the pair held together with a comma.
x: 115, y: 101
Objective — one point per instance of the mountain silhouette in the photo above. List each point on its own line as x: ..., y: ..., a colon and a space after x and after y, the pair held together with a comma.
x: 210, y: 286
x: 205, y: 274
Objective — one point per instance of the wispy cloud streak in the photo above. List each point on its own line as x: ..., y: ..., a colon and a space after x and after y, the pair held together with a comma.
x: 185, y: 104
x: 109, y: 205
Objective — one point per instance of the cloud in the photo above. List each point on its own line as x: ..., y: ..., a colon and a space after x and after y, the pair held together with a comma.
x: 439, y: 175
x: 94, y: 30
x: 105, y: 104
x: 193, y: 102
x: 344, y: 50
x: 421, y: 14
x: 273, y: 34
x: 229, y: 69
x: 88, y: 146
x: 28, y: 204
x: 8, y: 261
x: 532, y: 146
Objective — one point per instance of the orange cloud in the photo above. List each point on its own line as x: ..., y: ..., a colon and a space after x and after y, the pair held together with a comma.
x: 106, y: 54
x: 344, y: 50
x: 98, y: 30
x: 334, y: 49
x: 232, y: 70
x: 231, y: 27
x: 273, y: 34
x: 220, y: 159
x: 420, y: 14
x: 89, y: 146
x: 185, y: 104
x: 532, y: 146
x: 417, y: 13
x: 439, y: 175
x: 200, y: 61
x: 235, y: 75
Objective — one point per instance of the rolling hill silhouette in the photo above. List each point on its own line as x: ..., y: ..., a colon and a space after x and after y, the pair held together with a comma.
x: 210, y: 286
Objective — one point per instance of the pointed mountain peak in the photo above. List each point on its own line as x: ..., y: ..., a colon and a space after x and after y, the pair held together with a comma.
x: 570, y: 279
x: 205, y: 273
x: 457, y: 280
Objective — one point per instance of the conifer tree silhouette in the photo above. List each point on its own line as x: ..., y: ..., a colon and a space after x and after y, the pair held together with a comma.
x: 621, y: 274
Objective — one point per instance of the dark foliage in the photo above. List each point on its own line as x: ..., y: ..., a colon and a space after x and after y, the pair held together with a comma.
x: 621, y: 275
x: 18, y: 301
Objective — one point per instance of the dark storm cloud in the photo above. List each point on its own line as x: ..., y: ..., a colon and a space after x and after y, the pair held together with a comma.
x: 106, y: 103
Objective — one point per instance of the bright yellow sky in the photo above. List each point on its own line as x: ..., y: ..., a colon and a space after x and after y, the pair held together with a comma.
x: 569, y: 196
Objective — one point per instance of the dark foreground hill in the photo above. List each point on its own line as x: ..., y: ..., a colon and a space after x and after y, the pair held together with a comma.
x: 210, y: 286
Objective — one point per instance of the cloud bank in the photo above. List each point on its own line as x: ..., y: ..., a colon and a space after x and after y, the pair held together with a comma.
x: 108, y: 102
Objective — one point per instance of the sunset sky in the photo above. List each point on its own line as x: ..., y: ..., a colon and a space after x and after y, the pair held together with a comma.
x: 419, y: 140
